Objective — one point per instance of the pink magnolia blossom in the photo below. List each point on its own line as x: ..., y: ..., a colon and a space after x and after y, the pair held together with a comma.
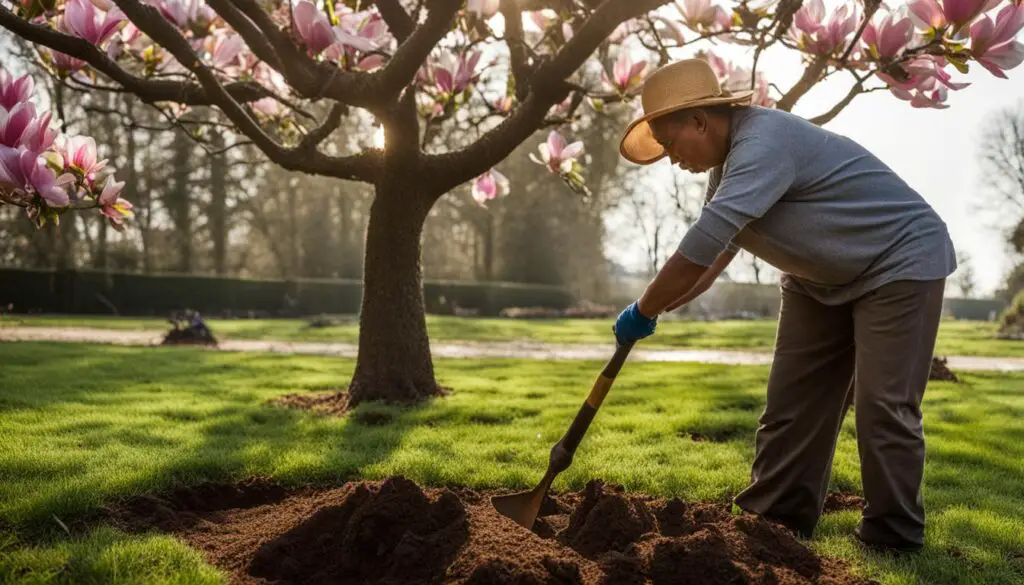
x: 112, y: 206
x: 14, y: 91
x: 452, y: 75
x: 816, y: 35
x: 192, y: 14
x: 736, y: 79
x: 482, y: 8
x: 64, y: 64
x: 885, y: 38
x: 931, y: 15
x: 356, y: 34
x: 489, y: 185
x: 556, y: 155
x: 24, y: 173
x: 624, y: 30
x: 702, y: 14
x: 79, y: 154
x: 313, y: 27
x: 927, y: 82
x: 626, y: 74
x: 994, y: 44
x: 670, y: 30
x: 14, y: 123
x: 20, y: 127
x: 504, y: 104
x: 267, y: 106
x: 84, y: 20
x: 547, y: 18
x: 224, y: 49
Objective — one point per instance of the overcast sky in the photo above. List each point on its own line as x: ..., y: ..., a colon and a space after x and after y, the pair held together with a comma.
x: 942, y: 164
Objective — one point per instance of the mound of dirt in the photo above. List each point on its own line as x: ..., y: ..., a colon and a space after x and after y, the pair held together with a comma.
x: 390, y: 532
x: 839, y: 501
x: 329, y: 403
x: 940, y: 371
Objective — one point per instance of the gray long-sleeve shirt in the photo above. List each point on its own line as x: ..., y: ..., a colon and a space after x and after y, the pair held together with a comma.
x: 834, y: 219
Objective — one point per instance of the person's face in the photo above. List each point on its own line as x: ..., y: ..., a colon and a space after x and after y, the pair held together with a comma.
x: 688, y: 142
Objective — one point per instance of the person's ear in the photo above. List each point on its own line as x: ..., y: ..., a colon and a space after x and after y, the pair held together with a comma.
x: 700, y: 121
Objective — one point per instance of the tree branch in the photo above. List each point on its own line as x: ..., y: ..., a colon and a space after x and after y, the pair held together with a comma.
x: 584, y: 42
x: 255, y: 38
x: 411, y: 54
x: 398, y: 20
x: 806, y: 82
x: 360, y: 167
x: 311, y: 79
x: 548, y: 87
x: 148, y: 90
x: 516, y: 47
x: 311, y: 141
x: 857, y: 89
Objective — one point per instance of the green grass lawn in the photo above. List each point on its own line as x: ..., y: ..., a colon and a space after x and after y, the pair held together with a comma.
x: 84, y: 424
x: 955, y: 337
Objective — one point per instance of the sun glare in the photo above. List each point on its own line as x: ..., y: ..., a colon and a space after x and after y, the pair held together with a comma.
x: 378, y: 137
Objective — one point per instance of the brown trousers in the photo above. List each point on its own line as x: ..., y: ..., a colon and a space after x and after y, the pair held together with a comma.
x: 875, y: 353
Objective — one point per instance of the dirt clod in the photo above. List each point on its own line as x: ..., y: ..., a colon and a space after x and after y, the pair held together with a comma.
x: 940, y: 371
x: 718, y: 436
x: 606, y: 521
x: 840, y: 501
x: 394, y: 531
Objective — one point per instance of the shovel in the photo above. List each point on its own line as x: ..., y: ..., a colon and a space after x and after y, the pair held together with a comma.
x: 524, y: 507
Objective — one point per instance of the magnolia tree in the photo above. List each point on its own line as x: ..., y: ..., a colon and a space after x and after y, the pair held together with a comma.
x: 286, y: 75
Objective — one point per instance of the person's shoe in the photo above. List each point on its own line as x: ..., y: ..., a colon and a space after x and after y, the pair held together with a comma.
x: 885, y: 547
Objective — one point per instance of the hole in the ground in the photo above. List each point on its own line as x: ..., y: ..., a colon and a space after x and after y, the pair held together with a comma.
x: 714, y: 435
x: 182, y: 507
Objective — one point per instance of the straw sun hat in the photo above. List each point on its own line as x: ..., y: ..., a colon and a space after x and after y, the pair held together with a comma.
x: 688, y: 83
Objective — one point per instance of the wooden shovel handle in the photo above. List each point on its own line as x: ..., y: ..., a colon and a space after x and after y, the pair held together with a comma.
x: 588, y: 410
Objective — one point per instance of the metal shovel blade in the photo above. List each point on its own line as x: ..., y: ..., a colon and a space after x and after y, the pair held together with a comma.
x: 524, y: 506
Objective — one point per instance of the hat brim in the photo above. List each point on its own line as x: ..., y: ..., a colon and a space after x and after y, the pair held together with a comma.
x: 638, y: 144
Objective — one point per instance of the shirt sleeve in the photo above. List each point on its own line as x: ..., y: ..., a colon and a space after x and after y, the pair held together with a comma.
x: 714, y: 177
x: 757, y: 173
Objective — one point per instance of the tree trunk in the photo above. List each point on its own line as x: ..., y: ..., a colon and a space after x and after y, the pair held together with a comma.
x: 489, y: 247
x: 394, y: 362
x: 179, y: 199
x: 218, y: 205
x: 100, y: 260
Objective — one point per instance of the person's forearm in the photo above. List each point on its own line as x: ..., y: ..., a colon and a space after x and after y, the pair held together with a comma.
x: 695, y: 292
x: 705, y: 282
x: 676, y: 277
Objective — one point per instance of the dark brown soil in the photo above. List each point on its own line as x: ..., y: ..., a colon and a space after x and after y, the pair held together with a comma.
x: 719, y: 436
x: 329, y: 403
x: 839, y: 501
x: 391, y: 532
x: 940, y: 371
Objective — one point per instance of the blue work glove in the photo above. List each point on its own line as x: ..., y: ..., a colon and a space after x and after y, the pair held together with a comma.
x: 632, y: 325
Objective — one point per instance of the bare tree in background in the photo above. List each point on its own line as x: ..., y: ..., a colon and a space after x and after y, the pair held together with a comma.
x: 964, y: 280
x: 1002, y: 160
x: 1002, y: 163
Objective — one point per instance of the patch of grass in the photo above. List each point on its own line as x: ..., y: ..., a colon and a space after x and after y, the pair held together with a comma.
x: 83, y: 425
x: 975, y: 338
x: 108, y: 557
